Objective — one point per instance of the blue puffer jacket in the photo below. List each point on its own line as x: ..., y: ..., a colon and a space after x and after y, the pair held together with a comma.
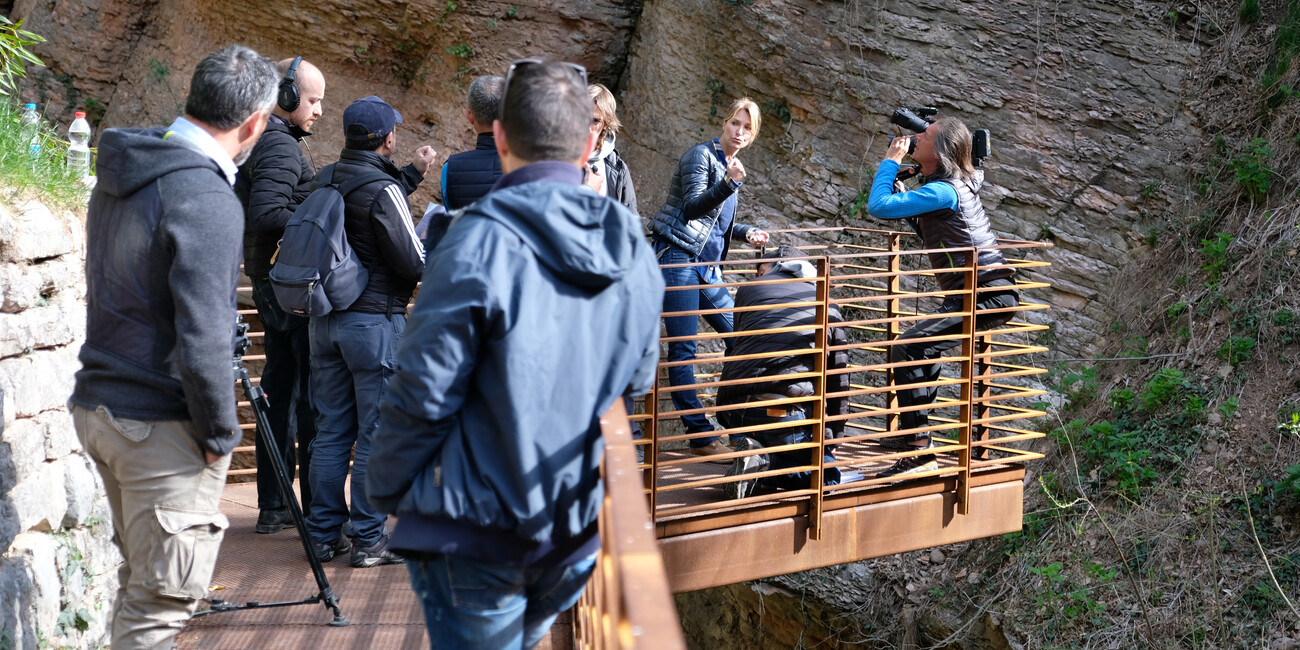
x: 540, y: 308
x: 694, y: 203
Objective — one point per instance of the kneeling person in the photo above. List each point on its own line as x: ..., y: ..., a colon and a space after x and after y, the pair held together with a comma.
x: 779, y: 316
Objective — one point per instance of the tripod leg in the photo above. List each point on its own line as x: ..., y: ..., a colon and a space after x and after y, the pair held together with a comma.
x: 258, y: 400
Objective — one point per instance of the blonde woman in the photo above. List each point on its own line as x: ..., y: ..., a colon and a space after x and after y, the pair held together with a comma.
x: 605, y: 166
x: 697, y: 224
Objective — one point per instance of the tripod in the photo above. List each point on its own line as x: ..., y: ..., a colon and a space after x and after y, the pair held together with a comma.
x: 257, y: 397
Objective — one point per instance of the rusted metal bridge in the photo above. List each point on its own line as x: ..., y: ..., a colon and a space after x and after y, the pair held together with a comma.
x: 667, y: 525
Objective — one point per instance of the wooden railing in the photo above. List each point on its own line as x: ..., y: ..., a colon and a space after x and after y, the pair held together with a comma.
x: 627, y: 603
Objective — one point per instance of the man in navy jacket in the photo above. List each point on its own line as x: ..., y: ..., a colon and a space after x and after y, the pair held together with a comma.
x: 546, y: 311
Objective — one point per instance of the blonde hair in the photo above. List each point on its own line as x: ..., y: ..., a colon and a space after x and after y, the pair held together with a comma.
x: 606, y: 106
x: 755, y: 118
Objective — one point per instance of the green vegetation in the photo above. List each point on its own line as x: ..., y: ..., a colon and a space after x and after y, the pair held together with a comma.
x: 715, y: 88
x: 1248, y: 12
x: 47, y: 173
x: 14, y: 55
x: 777, y: 108
x: 1286, y: 46
x: 1215, y: 252
x: 1252, y: 170
x: 461, y: 50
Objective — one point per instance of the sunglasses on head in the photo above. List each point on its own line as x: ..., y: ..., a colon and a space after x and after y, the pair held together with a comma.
x: 578, y: 70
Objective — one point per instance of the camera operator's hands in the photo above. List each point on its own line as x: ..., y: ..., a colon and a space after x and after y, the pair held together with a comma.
x: 424, y: 157
x: 757, y: 237
x: 898, y: 148
x: 736, y: 170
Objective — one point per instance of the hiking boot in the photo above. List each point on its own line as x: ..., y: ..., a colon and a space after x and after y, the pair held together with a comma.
x: 326, y: 552
x: 374, y: 555
x: 713, y: 449
x: 273, y: 520
x: 912, y: 464
x: 745, y: 465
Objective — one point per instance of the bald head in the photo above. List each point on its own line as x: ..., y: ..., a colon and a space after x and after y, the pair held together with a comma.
x: 311, y: 90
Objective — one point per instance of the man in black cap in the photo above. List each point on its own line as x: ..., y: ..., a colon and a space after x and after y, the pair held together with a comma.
x: 352, y: 350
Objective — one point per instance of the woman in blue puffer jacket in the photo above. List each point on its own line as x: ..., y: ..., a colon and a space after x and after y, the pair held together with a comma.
x: 696, y: 225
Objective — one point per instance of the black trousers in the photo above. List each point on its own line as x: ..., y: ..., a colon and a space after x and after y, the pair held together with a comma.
x: 286, y: 381
x: 923, y: 347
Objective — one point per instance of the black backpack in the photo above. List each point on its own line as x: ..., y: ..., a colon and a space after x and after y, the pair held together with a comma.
x: 314, y: 271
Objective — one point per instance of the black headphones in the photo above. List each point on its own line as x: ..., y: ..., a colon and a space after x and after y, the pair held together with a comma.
x: 289, y: 97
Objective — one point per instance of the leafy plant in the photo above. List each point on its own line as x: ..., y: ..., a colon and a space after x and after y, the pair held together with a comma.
x: 1248, y: 12
x: 512, y: 12
x: 14, y: 55
x: 1216, y: 255
x: 1237, y: 349
x: 1291, y: 428
x: 1252, y: 170
x: 715, y: 88
x: 778, y: 108
x: 461, y: 50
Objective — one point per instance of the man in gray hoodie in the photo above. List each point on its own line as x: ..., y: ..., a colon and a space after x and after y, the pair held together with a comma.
x: 546, y: 311
x: 154, y: 403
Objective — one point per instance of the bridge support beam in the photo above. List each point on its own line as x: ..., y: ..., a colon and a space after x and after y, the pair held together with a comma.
x: 764, y: 549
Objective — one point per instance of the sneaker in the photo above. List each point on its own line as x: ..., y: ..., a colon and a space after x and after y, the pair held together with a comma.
x: 273, y: 520
x: 745, y: 465
x: 326, y: 552
x: 374, y: 555
x: 713, y: 449
x: 911, y: 465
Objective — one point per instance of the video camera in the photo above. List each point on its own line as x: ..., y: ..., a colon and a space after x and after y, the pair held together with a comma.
x: 918, y: 119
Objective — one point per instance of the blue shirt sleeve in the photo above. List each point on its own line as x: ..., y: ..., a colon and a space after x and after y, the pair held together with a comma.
x: 442, y: 184
x: 884, y: 204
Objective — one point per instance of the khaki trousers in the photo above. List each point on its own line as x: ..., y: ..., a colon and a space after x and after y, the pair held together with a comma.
x: 166, y: 521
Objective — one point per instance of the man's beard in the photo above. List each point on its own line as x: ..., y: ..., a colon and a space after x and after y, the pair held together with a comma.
x: 244, y: 154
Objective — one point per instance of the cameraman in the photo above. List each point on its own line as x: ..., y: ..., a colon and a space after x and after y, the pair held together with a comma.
x: 946, y: 212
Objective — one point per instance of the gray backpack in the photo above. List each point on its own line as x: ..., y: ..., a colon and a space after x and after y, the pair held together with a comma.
x: 315, y: 271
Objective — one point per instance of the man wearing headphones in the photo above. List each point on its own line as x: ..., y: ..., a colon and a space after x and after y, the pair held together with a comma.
x: 277, y: 177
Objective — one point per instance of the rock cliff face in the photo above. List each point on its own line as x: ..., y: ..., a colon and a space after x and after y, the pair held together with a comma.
x: 1084, y: 98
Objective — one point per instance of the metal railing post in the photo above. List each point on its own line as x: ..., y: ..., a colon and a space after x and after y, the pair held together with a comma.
x: 967, y: 393
x: 819, y: 405
x: 893, y: 306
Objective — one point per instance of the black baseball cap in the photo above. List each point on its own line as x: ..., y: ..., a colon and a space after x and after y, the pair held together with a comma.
x: 369, y: 119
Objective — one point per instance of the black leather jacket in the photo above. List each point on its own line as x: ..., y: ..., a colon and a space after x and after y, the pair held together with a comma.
x: 695, y: 198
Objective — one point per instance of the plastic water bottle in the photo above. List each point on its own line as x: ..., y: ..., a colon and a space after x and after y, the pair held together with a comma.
x: 79, y: 149
x: 31, y: 129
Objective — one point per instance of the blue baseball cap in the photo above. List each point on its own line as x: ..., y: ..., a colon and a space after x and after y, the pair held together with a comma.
x: 369, y: 119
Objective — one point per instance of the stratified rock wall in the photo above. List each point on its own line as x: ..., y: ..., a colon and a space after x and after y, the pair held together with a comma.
x: 135, y: 58
x: 1083, y: 100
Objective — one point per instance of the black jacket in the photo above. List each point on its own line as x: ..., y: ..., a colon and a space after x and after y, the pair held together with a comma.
x: 271, y: 183
x: 699, y: 188
x: 751, y: 295
x: 163, y: 235
x: 377, y: 220
x: 468, y: 175
x: 618, y: 182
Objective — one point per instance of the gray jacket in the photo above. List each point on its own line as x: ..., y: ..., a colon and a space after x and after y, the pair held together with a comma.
x: 164, y: 233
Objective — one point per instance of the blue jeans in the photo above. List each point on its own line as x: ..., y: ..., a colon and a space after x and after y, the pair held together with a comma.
x: 286, y: 380
x: 469, y: 604
x: 778, y: 437
x: 708, y: 297
x: 352, y: 359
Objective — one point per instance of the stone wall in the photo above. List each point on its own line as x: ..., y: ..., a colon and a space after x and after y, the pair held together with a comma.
x: 58, y: 576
